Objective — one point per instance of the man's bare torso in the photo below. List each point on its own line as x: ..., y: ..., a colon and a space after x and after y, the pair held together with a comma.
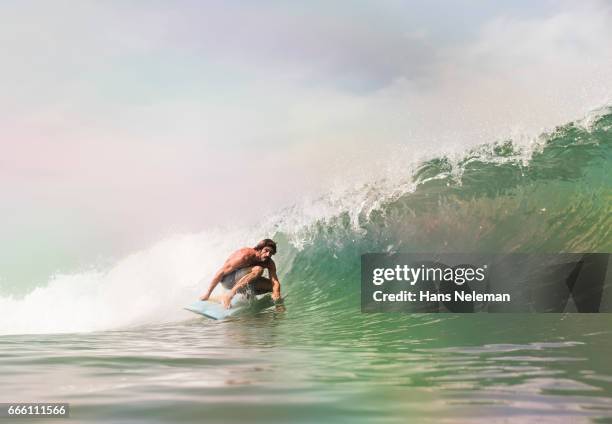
x: 247, y: 256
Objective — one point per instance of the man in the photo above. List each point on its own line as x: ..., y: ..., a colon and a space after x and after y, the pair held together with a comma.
x: 243, y: 270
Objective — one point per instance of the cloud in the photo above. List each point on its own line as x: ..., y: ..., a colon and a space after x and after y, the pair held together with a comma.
x: 166, y: 116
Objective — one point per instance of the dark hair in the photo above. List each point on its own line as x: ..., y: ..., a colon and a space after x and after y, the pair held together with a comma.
x: 266, y: 243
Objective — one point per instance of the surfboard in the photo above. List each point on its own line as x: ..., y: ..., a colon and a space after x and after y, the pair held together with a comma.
x: 215, y: 310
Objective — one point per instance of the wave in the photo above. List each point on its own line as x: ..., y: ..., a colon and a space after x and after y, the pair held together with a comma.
x: 551, y: 195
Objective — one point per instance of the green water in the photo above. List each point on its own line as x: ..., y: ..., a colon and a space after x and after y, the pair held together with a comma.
x: 364, y: 368
x: 322, y: 360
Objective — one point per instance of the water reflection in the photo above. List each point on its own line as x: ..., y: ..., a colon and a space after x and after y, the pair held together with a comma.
x: 277, y: 366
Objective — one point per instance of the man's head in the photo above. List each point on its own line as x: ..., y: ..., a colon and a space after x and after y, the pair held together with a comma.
x: 265, y: 249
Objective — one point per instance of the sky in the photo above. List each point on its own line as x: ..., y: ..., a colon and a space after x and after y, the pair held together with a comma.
x: 124, y: 122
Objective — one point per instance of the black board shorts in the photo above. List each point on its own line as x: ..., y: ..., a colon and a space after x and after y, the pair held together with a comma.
x: 229, y: 281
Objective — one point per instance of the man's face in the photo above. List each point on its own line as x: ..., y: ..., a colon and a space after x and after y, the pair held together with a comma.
x: 265, y: 253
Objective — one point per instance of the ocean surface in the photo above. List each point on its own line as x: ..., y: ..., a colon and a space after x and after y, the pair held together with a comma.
x: 117, y: 346
x: 293, y: 367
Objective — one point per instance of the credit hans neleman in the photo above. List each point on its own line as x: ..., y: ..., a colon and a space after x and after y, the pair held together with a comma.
x: 568, y: 282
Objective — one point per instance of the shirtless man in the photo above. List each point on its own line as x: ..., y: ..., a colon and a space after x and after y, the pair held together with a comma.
x: 244, y: 268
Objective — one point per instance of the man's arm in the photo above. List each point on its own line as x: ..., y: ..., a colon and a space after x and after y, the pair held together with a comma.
x: 276, y: 294
x: 230, y: 265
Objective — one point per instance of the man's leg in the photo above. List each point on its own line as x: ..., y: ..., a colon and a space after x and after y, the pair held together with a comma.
x: 257, y: 283
x: 261, y: 285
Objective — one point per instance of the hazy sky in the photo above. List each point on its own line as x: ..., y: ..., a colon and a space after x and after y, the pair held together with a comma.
x: 122, y: 122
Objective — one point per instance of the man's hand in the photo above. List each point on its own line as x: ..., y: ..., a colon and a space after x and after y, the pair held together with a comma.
x: 205, y: 297
x: 226, y: 300
x: 276, y: 297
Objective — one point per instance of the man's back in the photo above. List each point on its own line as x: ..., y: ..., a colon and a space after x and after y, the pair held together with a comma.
x: 241, y: 258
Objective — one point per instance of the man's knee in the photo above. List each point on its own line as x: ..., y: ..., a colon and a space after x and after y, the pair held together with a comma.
x: 257, y: 271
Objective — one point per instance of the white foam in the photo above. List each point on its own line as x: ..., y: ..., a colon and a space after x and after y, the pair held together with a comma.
x: 145, y: 287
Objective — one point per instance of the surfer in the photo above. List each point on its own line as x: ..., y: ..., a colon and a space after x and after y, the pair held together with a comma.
x: 243, y: 270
